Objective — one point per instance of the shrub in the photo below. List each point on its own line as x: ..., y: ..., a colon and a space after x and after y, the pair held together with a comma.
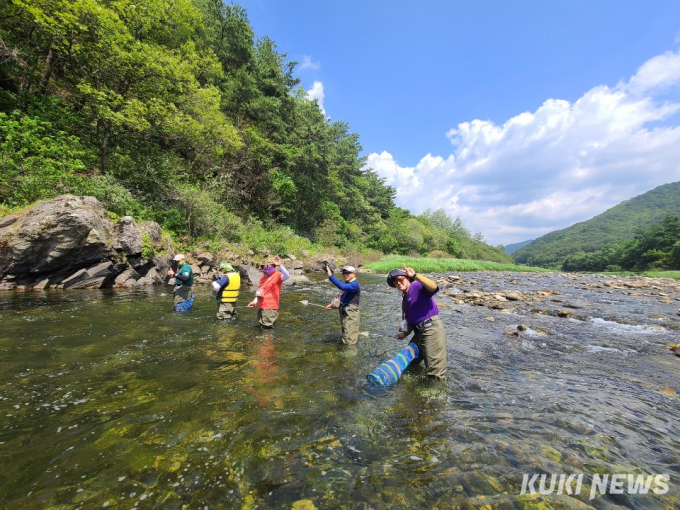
x: 37, y: 161
x: 112, y: 194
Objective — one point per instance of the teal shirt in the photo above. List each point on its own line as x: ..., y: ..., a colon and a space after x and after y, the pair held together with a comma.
x: 185, y: 270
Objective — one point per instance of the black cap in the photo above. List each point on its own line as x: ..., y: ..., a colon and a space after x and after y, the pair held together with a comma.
x: 394, y: 274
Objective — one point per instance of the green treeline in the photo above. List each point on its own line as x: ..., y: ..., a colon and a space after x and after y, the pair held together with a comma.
x: 613, y: 227
x: 656, y: 247
x: 173, y: 111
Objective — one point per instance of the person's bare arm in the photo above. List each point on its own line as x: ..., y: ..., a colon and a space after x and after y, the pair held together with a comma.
x: 428, y: 284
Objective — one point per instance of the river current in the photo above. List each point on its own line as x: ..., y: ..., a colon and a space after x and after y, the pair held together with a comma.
x: 108, y: 399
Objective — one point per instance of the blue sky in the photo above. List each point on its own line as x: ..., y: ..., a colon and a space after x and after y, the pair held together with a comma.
x: 521, y: 117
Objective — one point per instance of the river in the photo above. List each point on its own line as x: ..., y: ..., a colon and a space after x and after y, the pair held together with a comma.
x: 108, y: 399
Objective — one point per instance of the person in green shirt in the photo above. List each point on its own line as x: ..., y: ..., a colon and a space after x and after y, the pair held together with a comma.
x: 181, y: 271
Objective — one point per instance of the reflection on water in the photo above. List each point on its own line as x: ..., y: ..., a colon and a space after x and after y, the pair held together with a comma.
x: 109, y: 400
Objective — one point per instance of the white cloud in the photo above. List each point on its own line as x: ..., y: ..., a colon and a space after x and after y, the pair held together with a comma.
x: 316, y: 92
x: 564, y: 163
x: 308, y: 63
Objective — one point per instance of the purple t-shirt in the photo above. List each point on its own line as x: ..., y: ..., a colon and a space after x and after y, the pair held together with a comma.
x: 418, y: 304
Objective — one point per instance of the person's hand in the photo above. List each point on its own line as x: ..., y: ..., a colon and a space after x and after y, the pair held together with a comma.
x: 401, y: 335
x: 329, y: 307
x: 251, y: 304
x: 328, y: 269
x: 277, y: 260
x: 171, y: 272
x: 410, y: 272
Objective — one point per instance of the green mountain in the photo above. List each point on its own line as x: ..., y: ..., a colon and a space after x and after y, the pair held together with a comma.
x: 512, y: 248
x: 616, y: 224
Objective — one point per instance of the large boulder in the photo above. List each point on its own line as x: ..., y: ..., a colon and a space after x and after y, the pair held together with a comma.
x: 127, y: 238
x: 67, y: 232
x: 297, y: 280
x: 70, y: 242
x: 203, y: 258
x: 249, y: 275
x: 127, y: 278
x: 91, y: 278
x: 153, y: 230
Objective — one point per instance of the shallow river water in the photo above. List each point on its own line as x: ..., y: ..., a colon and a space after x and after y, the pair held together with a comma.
x: 108, y: 399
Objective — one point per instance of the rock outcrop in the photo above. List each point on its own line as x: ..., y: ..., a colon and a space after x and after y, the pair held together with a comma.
x: 70, y: 242
x: 65, y: 233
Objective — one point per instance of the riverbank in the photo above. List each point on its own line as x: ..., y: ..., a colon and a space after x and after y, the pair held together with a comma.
x: 72, y: 242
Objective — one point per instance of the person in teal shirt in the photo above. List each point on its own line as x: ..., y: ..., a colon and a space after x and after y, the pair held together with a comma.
x: 184, y: 278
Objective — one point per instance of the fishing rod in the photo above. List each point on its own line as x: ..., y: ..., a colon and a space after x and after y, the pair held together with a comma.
x: 306, y: 303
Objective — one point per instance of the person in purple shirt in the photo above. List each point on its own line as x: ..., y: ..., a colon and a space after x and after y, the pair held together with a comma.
x: 421, y: 316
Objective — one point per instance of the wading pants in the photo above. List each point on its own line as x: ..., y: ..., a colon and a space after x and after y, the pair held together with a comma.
x: 181, y: 293
x: 349, y: 320
x: 226, y: 311
x: 432, y: 345
x: 267, y: 317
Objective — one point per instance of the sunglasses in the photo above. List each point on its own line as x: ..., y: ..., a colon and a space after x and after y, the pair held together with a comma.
x: 400, y: 279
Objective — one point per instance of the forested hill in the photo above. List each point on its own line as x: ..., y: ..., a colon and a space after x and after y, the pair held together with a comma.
x: 512, y: 248
x: 616, y: 224
x: 174, y: 111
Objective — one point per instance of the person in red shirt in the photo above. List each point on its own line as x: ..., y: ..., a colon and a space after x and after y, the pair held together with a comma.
x: 269, y: 292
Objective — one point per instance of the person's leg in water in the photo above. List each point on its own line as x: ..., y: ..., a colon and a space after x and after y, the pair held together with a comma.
x: 432, y: 345
x: 226, y: 311
x: 350, y: 321
x: 267, y: 317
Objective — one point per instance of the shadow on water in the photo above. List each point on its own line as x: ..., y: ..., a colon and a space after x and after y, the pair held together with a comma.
x: 109, y: 399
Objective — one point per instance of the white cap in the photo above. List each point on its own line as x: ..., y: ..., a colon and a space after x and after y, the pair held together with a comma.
x: 348, y: 269
x: 179, y: 256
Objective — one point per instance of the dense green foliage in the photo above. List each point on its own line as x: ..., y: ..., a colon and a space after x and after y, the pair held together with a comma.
x: 430, y: 265
x: 617, y: 224
x: 172, y: 110
x: 655, y: 247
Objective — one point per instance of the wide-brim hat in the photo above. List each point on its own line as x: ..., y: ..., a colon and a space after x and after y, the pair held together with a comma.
x: 394, y: 274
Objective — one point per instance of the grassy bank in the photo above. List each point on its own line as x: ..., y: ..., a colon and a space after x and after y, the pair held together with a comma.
x: 662, y: 274
x: 425, y: 265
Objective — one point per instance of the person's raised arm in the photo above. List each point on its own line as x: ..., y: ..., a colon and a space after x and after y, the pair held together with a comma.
x: 428, y: 284
x: 284, y: 273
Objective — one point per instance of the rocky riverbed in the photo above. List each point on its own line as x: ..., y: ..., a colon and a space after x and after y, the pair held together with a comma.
x: 645, y: 304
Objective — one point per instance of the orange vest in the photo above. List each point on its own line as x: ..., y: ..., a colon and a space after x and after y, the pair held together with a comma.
x: 270, y: 286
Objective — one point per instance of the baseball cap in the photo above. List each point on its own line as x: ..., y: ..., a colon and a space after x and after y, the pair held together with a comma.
x: 394, y: 274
